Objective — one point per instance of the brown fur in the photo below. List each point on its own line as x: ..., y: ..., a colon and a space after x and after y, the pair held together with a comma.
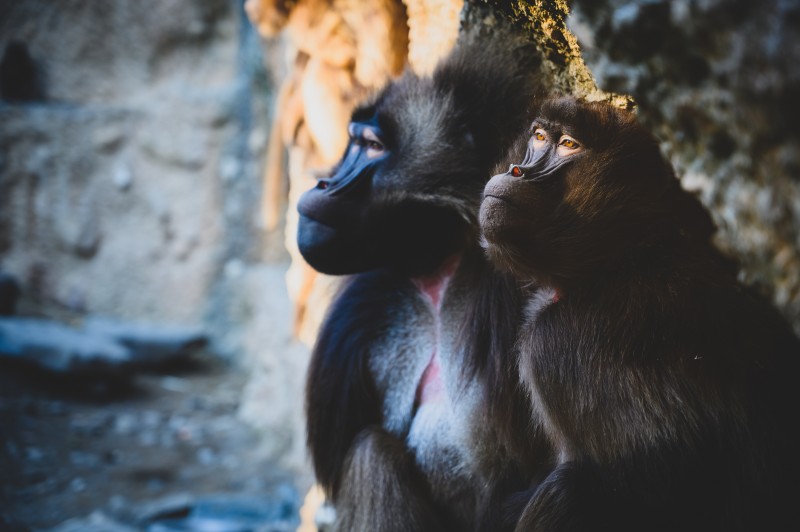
x: 665, y: 385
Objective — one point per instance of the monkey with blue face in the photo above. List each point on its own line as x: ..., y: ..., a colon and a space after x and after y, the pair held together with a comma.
x: 416, y: 417
x: 666, y: 387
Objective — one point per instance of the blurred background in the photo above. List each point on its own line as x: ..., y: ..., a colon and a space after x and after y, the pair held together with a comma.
x: 155, y: 317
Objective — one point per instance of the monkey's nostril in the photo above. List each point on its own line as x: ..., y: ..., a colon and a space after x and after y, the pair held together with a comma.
x: 515, y: 171
x: 322, y: 184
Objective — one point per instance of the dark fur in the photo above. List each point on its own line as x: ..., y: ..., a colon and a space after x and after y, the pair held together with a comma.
x: 444, y: 134
x: 667, y: 385
x: 401, y: 503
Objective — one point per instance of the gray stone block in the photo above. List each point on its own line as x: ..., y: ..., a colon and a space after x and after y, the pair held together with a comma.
x: 148, y: 343
x: 59, y: 348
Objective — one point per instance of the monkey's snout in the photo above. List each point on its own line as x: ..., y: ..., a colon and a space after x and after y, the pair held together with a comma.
x: 322, y: 184
x: 498, y: 187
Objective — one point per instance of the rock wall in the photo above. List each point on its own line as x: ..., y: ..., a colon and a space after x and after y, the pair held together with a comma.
x: 127, y: 185
x: 132, y: 141
x: 718, y: 81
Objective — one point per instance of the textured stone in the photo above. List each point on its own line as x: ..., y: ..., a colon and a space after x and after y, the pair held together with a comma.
x: 276, y: 511
x: 148, y: 343
x: 432, y: 31
x: 110, y: 200
x: 96, y: 522
x: 718, y: 82
x: 59, y: 348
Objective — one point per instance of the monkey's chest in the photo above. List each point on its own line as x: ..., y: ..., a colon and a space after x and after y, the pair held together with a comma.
x: 580, y: 392
x: 561, y: 385
x: 427, y: 402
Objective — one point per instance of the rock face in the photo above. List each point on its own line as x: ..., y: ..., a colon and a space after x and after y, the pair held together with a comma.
x: 131, y: 153
x: 122, y: 185
x: 718, y: 81
x: 61, y: 349
x: 148, y: 344
x: 102, y: 346
x: 432, y: 31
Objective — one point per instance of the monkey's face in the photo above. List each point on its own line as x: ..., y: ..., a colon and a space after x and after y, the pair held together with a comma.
x: 588, y: 187
x: 404, y: 195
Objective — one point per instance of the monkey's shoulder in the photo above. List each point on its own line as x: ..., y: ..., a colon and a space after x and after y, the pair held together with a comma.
x: 665, y: 317
x: 370, y: 310
x: 372, y: 296
x: 341, y: 395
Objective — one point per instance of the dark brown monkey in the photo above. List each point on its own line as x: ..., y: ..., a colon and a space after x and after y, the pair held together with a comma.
x: 416, y: 418
x: 667, y: 388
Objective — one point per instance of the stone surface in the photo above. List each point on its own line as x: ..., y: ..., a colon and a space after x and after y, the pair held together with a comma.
x: 101, y: 346
x: 432, y: 31
x: 274, y: 512
x: 60, y: 348
x: 130, y: 185
x: 272, y: 399
x: 126, y: 188
x: 148, y: 343
x: 718, y: 82
x: 96, y: 522
x: 173, y: 439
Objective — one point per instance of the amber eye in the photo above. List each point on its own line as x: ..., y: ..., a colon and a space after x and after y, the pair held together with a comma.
x: 538, y: 135
x: 568, y: 142
x: 515, y: 171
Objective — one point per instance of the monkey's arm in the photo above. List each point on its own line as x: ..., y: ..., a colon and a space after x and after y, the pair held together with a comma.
x: 369, y: 475
x: 381, y: 488
x: 342, y: 395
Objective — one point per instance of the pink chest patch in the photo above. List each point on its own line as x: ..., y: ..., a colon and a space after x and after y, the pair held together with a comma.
x: 431, y: 386
x: 433, y: 286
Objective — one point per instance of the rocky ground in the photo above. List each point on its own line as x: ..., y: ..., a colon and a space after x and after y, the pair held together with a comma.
x: 162, y: 451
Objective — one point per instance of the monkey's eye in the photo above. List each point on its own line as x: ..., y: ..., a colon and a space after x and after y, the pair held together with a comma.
x: 538, y: 139
x: 567, y: 145
x: 372, y: 144
x: 374, y: 149
x: 515, y: 171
